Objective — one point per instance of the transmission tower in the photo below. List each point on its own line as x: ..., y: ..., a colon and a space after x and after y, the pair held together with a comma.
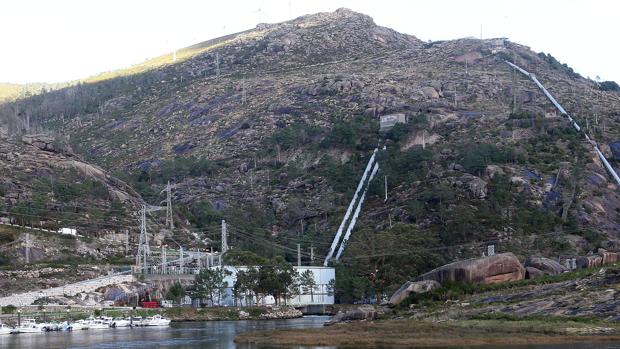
x: 144, y: 249
x: 169, y: 222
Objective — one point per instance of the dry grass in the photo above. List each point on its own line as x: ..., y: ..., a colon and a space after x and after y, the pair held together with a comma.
x: 413, y: 333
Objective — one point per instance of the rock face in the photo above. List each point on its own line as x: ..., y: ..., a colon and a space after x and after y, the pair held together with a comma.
x: 43, y: 142
x: 545, y: 265
x: 533, y: 273
x: 589, y: 261
x: 412, y: 287
x: 363, y: 313
x: 615, y: 149
x: 608, y: 257
x: 493, y: 269
x: 597, y: 260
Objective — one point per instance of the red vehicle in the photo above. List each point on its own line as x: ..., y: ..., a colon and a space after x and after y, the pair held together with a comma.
x: 149, y: 304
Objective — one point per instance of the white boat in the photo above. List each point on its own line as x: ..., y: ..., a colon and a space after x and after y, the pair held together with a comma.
x: 5, y: 329
x: 119, y: 322
x: 49, y: 326
x: 66, y: 326
x: 94, y: 323
x: 138, y: 321
x: 80, y: 325
x: 97, y: 324
x: 157, y: 320
x: 28, y: 326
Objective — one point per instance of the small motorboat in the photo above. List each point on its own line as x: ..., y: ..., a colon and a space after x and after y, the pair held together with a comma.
x: 157, y: 320
x: 120, y: 322
x: 80, y: 325
x: 28, y: 326
x: 49, y: 326
x: 66, y: 326
x: 5, y: 329
x: 97, y: 324
x: 137, y: 321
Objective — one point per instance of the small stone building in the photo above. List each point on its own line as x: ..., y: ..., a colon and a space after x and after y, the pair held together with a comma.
x: 388, y: 121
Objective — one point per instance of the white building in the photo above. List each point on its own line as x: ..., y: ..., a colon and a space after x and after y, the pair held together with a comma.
x: 386, y: 122
x: 320, y: 295
x: 67, y: 231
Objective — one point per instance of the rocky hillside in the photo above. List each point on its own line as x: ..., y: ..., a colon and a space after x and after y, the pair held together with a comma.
x: 271, y: 129
x: 44, y: 185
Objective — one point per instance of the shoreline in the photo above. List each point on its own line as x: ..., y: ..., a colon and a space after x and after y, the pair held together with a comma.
x: 420, y: 333
x: 178, y: 314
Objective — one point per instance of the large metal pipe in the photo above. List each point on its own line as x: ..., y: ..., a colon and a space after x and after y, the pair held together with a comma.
x: 606, y: 163
x: 356, y: 214
x: 332, y: 248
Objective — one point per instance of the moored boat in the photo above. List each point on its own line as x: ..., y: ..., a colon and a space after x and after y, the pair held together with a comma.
x: 28, y: 326
x: 157, y: 320
x: 5, y: 329
x: 119, y: 322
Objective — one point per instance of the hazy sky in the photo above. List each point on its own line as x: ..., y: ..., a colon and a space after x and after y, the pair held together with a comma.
x: 52, y: 41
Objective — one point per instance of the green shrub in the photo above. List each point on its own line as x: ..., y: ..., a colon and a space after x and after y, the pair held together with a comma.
x: 609, y: 86
x: 293, y: 136
x: 9, y: 309
x: 478, y: 156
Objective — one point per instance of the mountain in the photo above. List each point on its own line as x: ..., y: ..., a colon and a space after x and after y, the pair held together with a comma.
x: 271, y: 129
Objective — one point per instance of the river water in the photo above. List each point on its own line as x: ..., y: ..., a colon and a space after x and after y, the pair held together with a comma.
x: 180, y: 335
x: 189, y: 335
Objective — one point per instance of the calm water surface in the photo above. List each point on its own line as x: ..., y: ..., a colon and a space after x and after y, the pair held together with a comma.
x: 188, y: 335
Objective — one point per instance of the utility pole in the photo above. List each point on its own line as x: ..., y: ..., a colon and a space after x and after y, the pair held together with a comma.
x: 455, y: 96
x: 181, y: 261
x: 27, y: 250
x: 224, y: 237
x: 164, y: 259
x: 211, y: 255
x: 301, y: 224
x: 385, y: 181
x: 126, y: 242
x: 423, y: 139
x: 169, y: 222
x: 243, y: 93
x: 299, y: 255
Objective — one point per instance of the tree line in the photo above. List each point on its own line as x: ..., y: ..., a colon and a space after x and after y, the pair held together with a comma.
x: 277, y: 278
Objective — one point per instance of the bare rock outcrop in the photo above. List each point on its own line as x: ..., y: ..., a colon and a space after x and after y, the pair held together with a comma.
x: 597, y: 260
x: 493, y: 269
x: 41, y: 141
x: 533, y: 273
x: 412, y: 287
x: 546, y: 265
x: 362, y: 313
